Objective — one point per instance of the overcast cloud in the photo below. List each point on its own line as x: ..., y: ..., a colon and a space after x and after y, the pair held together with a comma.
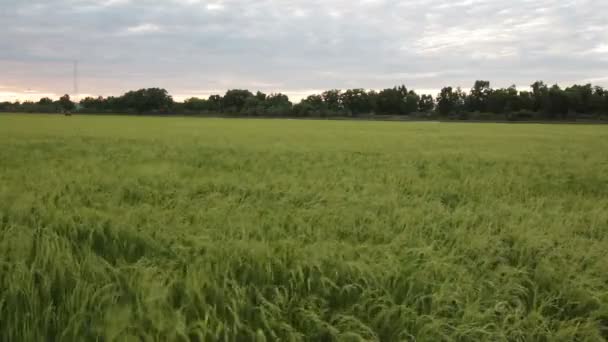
x: 197, y: 47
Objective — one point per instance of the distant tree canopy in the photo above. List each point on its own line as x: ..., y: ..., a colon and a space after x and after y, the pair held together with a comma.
x: 148, y: 100
x: 540, y: 102
x: 64, y: 102
x: 234, y: 100
x: 397, y: 100
x: 450, y: 101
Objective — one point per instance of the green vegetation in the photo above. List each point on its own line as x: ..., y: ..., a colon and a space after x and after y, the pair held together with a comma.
x: 177, y: 229
x: 481, y: 103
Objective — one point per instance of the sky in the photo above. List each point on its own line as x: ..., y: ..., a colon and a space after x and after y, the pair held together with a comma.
x: 298, y: 47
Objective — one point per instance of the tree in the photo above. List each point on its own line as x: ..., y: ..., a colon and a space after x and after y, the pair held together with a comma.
x: 373, y: 100
x: 599, y: 100
x: 254, y: 105
x: 445, y: 102
x: 426, y: 103
x: 303, y: 109
x: 331, y: 98
x: 557, y: 103
x: 99, y: 104
x: 450, y: 101
x: 260, y: 96
x: 234, y: 100
x: 539, y: 94
x: 503, y: 100
x: 526, y: 100
x: 66, y: 104
x: 580, y: 98
x: 357, y: 101
x: 316, y: 101
x: 393, y: 101
x: 548, y: 102
x: 411, y: 103
x: 214, y: 103
x: 478, y: 98
x: 45, y: 101
x: 44, y: 105
x: 313, y: 105
x: 316, y: 105
x: 195, y: 104
x: 5, y: 106
x: 147, y: 100
x: 278, y: 104
x: 277, y: 99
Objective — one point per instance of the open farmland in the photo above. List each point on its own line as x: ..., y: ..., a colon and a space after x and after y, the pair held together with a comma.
x: 177, y: 229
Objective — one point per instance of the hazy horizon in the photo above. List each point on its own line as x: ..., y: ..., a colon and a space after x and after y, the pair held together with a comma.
x: 198, y: 48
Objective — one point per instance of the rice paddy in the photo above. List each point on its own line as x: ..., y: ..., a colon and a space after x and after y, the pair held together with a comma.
x: 183, y: 229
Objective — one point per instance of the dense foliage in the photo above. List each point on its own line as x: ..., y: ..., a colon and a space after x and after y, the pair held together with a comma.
x: 482, y: 101
x: 177, y: 229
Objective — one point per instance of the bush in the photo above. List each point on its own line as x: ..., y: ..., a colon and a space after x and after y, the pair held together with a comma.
x: 522, y: 115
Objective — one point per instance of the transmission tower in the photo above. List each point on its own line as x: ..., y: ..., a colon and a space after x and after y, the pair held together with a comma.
x: 75, y: 81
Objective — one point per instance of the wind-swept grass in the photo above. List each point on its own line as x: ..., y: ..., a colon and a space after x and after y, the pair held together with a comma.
x: 177, y: 229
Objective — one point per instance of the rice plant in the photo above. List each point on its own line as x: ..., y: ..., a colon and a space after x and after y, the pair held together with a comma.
x: 179, y: 229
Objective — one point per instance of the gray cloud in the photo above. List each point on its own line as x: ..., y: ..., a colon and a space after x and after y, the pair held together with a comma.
x: 195, y: 47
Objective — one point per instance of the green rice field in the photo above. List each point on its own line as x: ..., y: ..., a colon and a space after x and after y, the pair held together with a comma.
x: 116, y: 228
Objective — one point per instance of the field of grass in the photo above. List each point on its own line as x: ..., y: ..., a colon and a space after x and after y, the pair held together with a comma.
x: 181, y: 229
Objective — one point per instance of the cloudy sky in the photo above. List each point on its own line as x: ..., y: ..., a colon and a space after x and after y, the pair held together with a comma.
x: 200, y: 47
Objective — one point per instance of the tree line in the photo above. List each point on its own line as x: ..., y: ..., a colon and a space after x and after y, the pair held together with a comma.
x: 480, y: 102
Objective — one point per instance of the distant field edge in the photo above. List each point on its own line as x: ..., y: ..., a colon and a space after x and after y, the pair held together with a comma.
x: 394, y: 118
